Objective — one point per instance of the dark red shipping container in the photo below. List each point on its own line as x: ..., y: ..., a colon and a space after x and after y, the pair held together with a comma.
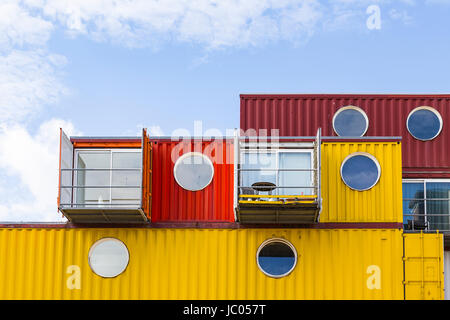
x: 170, y: 202
x: 302, y: 114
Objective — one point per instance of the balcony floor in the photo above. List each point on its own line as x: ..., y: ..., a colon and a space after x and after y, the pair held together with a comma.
x: 305, y: 213
x: 104, y: 215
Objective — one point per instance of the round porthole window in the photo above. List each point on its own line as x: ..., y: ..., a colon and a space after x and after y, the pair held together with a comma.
x: 424, y: 123
x: 276, y: 257
x: 193, y: 171
x: 360, y: 171
x: 350, y: 121
x: 108, y: 257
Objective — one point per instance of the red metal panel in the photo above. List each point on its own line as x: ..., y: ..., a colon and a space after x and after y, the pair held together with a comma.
x: 170, y: 202
x: 301, y: 115
x: 106, y: 143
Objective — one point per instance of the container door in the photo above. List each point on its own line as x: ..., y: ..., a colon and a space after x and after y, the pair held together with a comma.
x: 65, y: 195
x: 146, y: 174
x: 423, y: 266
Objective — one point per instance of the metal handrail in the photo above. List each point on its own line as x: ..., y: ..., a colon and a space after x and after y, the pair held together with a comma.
x: 262, y: 169
x: 427, y: 214
x: 102, y: 169
x: 280, y: 187
x: 99, y: 204
x: 428, y: 223
x: 108, y: 204
x: 103, y: 187
x: 427, y: 199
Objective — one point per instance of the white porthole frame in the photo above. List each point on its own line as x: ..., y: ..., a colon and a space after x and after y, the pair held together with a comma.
x: 268, y: 241
x: 207, y: 160
x: 352, y: 108
x: 96, y: 243
x: 441, y: 122
x: 368, y: 155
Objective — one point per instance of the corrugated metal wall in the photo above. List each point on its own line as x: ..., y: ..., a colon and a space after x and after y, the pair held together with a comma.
x: 301, y: 115
x: 382, y: 203
x: 170, y: 202
x: 203, y: 264
x: 424, y: 266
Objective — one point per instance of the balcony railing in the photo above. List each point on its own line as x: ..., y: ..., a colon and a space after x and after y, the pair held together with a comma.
x: 427, y: 222
x: 274, y: 200
x: 100, y: 201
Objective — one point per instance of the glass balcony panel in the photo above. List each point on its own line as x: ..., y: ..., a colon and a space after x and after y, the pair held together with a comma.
x: 266, y: 160
x: 126, y: 160
x: 295, y: 160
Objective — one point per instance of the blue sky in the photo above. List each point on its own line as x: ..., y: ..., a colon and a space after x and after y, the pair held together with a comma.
x: 107, y: 68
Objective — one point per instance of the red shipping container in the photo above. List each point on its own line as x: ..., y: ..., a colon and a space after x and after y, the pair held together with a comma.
x: 170, y: 202
x: 302, y: 114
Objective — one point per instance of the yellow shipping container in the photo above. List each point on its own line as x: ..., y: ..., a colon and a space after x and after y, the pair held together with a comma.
x: 382, y: 203
x: 46, y: 263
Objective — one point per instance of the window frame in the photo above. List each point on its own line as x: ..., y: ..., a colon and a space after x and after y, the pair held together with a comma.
x: 111, y: 151
x: 366, y: 154
x: 351, y: 107
x: 282, y: 240
x: 99, y: 241
x: 193, y: 153
x: 423, y: 181
x: 277, y: 162
x: 438, y: 115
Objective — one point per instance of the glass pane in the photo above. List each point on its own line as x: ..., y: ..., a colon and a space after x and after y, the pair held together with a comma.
x: 93, y: 160
x: 413, y: 205
x: 126, y: 160
x: 438, y: 190
x: 350, y: 123
x: 131, y: 194
x: 263, y: 160
x: 108, y: 257
x: 294, y: 160
x: 424, y: 124
x: 438, y: 214
x: 438, y: 210
x: 276, y: 258
x: 193, y: 172
x: 360, y: 172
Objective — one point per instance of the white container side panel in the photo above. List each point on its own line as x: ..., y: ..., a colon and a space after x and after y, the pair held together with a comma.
x: 66, y: 163
x: 447, y: 274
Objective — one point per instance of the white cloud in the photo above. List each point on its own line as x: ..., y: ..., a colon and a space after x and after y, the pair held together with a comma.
x: 155, y: 131
x: 30, y: 77
x: 33, y: 158
x: 214, y: 24
x: 28, y: 80
x: 18, y: 27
